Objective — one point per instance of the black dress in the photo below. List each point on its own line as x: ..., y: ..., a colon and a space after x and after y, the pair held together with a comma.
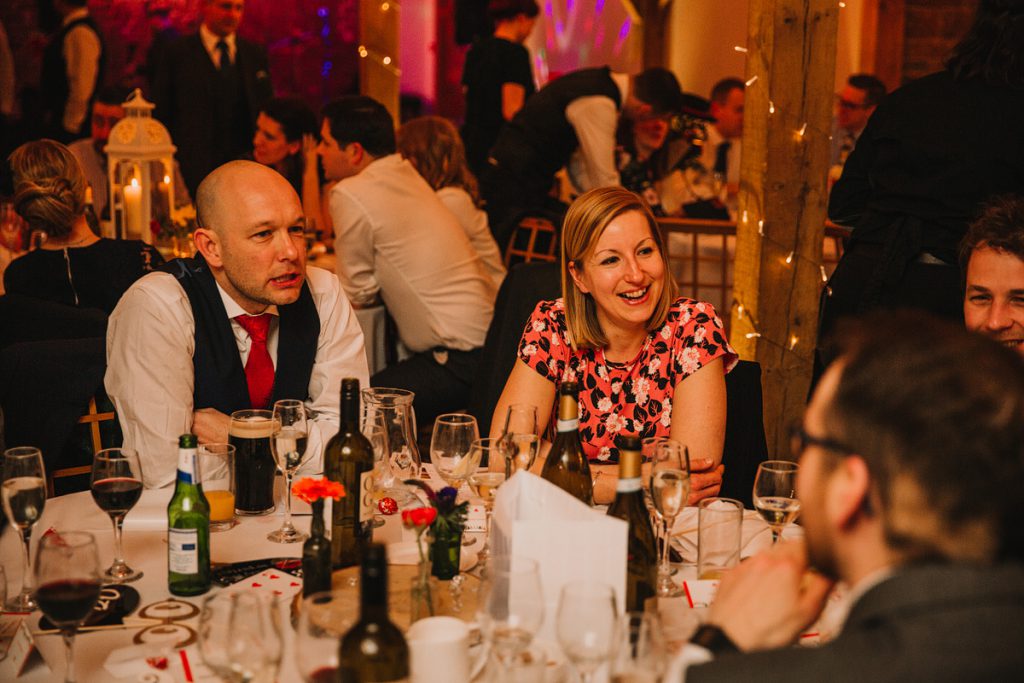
x: 87, y: 277
x: 490, y: 63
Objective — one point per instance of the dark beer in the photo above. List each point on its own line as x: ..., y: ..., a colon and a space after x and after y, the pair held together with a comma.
x: 250, y: 434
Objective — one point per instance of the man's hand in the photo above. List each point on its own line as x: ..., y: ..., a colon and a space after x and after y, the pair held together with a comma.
x: 769, y: 599
x: 705, y: 481
x: 211, y: 426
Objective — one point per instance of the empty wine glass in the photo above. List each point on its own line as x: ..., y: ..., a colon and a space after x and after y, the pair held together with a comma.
x: 324, y: 619
x: 377, y: 435
x: 484, y: 484
x: 670, y: 488
x: 639, y: 654
x: 288, y: 444
x: 585, y: 625
x: 647, y: 448
x: 394, y: 406
x: 68, y: 580
x: 775, y: 494
x: 511, y: 606
x: 240, y: 636
x: 520, y: 440
x: 23, y: 495
x: 116, y: 485
x: 451, y: 449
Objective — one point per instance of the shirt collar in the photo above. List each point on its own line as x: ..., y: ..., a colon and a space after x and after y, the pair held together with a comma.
x: 233, y: 309
x: 210, y: 39
x: 75, y: 16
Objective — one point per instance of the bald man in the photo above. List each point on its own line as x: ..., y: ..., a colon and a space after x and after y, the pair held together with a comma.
x: 241, y: 325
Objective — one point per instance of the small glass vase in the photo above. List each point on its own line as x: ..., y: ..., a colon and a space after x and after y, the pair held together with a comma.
x: 316, y: 555
x: 445, y: 550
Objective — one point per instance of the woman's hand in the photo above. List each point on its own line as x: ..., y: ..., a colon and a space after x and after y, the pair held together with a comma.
x: 606, y: 478
x: 705, y: 480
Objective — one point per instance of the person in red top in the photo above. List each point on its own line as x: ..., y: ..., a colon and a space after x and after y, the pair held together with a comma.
x: 648, y: 362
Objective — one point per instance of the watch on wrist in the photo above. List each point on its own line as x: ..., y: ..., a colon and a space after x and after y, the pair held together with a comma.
x: 714, y: 639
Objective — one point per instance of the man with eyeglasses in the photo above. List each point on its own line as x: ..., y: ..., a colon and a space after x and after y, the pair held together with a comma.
x: 911, y: 465
x: 854, y: 106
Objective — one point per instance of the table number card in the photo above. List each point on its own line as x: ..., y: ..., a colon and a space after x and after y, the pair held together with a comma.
x: 22, y: 655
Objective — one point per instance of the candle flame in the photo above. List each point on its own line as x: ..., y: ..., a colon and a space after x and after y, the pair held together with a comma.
x: 167, y: 180
x: 135, y: 182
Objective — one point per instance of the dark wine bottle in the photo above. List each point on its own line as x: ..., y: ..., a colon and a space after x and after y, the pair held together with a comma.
x: 188, y: 526
x: 316, y: 555
x: 348, y: 460
x: 642, y: 547
x: 374, y: 650
x: 566, y: 465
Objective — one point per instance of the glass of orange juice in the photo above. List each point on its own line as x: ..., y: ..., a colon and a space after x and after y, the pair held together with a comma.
x: 217, y: 469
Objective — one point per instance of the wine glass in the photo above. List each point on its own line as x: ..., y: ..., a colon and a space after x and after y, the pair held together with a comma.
x: 670, y: 488
x: 639, y: 653
x: 520, y: 438
x: 775, y: 494
x: 324, y: 619
x: 240, y: 636
x: 24, y: 495
x: 68, y: 580
x: 116, y: 485
x: 511, y: 606
x: 377, y: 435
x: 484, y: 484
x: 451, y: 447
x: 585, y: 625
x: 288, y: 444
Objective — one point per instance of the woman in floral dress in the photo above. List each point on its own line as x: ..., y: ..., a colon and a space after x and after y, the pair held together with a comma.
x: 647, y: 361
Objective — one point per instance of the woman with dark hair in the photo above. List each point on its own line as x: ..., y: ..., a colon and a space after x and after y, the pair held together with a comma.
x: 286, y: 140
x: 647, y: 361
x: 931, y: 153
x: 72, y: 266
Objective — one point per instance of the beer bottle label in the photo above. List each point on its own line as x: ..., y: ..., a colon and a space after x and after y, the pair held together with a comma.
x: 366, y: 496
x: 183, y: 555
x: 187, y: 465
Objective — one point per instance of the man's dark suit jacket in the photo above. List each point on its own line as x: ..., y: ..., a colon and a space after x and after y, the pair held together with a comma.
x: 930, y: 623
x: 186, y: 92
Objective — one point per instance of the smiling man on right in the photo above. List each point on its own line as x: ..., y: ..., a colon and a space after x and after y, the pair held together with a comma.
x: 992, y: 257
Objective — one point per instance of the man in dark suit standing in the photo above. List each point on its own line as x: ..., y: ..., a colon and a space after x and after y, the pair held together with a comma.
x: 208, y: 89
x: 911, y: 467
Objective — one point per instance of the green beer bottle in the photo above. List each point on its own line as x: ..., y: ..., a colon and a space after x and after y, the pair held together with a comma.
x: 188, y: 526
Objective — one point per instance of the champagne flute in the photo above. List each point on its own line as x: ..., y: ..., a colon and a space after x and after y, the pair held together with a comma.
x: 485, y: 485
x: 288, y: 444
x: 586, y: 626
x: 451, y: 447
x: 775, y: 494
x: 511, y: 606
x: 670, y: 488
x: 68, y: 576
x: 240, y: 636
x: 116, y: 486
x: 324, y: 619
x: 647, y: 448
x: 24, y: 495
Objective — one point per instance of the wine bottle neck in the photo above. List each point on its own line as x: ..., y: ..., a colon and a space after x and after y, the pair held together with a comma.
x: 350, y: 409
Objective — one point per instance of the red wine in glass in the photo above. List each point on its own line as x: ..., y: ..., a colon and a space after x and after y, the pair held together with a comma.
x: 116, y: 485
x: 67, y: 603
x: 117, y: 495
x: 327, y: 674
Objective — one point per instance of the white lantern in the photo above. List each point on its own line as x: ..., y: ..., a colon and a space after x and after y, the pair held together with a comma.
x: 140, y: 163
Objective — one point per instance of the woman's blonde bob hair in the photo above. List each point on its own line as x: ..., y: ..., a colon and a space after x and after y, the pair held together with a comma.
x: 584, y: 224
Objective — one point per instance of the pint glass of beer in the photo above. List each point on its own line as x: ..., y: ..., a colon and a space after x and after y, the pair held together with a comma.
x: 250, y: 434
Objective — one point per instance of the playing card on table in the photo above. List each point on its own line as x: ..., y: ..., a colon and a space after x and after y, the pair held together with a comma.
x: 282, y: 585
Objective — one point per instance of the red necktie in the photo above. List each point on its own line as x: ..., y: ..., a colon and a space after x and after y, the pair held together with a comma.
x: 259, y: 369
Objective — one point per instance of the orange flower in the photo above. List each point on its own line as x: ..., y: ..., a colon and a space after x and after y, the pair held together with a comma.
x: 418, y: 517
x: 309, y: 489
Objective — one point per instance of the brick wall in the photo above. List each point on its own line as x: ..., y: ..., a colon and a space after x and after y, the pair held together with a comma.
x: 932, y: 29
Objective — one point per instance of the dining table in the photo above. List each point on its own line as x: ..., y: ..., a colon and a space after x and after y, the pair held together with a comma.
x: 103, y: 654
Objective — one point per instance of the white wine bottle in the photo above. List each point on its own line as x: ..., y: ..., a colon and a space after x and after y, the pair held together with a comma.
x: 188, y: 526
x: 348, y: 460
x: 566, y: 465
x: 641, y: 548
x: 374, y: 649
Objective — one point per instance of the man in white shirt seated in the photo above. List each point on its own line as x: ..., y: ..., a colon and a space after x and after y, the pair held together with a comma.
x: 723, y: 148
x: 398, y: 243
x: 911, y: 467
x: 240, y: 326
x: 992, y: 257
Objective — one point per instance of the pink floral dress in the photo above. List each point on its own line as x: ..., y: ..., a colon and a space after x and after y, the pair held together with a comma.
x: 633, y: 397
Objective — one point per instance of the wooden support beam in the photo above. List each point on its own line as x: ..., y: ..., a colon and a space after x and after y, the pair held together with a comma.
x: 782, y: 201
x: 379, y: 70
x: 654, y: 15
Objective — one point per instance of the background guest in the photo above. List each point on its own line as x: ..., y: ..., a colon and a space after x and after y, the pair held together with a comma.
x: 723, y: 147
x: 648, y: 362
x: 497, y: 77
x: 73, y: 266
x: 72, y: 70
x: 854, y: 106
x: 432, y: 145
x: 208, y: 89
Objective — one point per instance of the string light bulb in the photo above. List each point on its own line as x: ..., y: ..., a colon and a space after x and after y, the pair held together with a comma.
x: 739, y: 48
x: 760, y: 227
x: 824, y: 275
x: 752, y: 335
x: 771, y: 107
x: 793, y: 339
x: 789, y: 259
x: 386, y: 60
x: 752, y: 80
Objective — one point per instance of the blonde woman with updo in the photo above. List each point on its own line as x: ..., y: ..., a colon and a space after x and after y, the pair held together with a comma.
x: 433, y: 146
x: 72, y: 266
x: 648, y: 361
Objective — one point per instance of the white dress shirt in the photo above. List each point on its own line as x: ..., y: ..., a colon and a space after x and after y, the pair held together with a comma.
x: 474, y: 223
x: 210, y: 40
x: 150, y: 375
x: 395, y: 239
x: 710, y: 152
x: 81, y: 52
x: 595, y: 119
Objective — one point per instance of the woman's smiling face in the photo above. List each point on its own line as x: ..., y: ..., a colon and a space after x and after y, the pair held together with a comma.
x: 624, y: 273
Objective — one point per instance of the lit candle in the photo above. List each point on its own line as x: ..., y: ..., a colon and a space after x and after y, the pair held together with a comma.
x: 133, y: 209
x: 165, y: 196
